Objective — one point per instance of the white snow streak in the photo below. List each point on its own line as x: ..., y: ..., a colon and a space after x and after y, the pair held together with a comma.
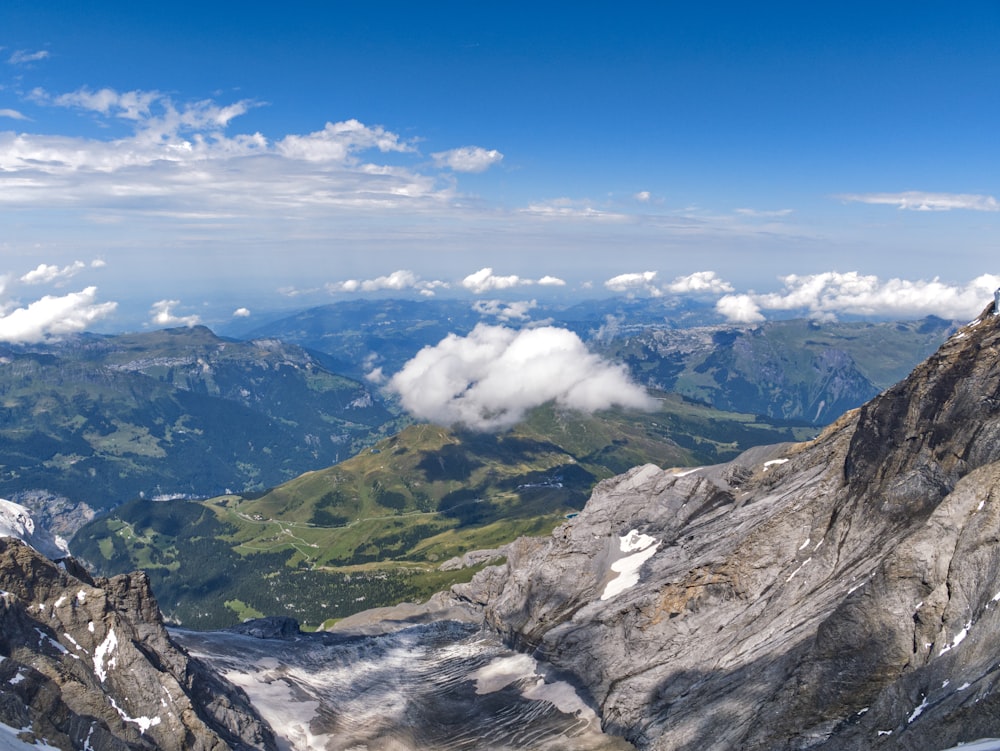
x: 628, y: 567
x: 105, y: 648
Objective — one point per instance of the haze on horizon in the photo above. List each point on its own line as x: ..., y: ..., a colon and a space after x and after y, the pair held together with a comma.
x: 170, y: 165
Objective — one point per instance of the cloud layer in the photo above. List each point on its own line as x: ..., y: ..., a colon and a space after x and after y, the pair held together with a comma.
x: 489, y: 379
x: 916, y: 200
x: 830, y: 294
x: 181, y: 157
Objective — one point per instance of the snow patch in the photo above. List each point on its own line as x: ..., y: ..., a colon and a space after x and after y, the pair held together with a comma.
x: 773, y: 463
x: 16, y: 521
x: 283, y: 709
x: 959, y: 638
x: 919, y: 710
x: 10, y: 742
x: 802, y: 566
x: 628, y: 567
x: 805, y: 545
x: 104, y: 649
x: 502, y: 672
x: 144, y: 723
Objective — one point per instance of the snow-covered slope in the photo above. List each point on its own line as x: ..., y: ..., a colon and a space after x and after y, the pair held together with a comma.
x: 16, y: 521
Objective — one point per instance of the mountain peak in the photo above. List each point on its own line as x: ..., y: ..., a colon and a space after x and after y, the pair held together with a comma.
x: 918, y: 438
x: 839, y: 594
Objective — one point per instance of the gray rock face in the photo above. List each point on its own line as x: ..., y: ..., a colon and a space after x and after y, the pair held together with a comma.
x: 88, y: 664
x: 840, y: 594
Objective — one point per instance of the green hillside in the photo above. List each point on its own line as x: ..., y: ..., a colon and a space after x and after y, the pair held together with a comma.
x: 174, y: 412
x: 373, y: 530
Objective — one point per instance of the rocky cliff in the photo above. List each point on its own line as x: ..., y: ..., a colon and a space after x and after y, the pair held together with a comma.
x: 88, y: 664
x: 840, y: 594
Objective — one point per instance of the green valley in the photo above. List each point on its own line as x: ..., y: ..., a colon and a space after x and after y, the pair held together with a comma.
x: 375, y: 529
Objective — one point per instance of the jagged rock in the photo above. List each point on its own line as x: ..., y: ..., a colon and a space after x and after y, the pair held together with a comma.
x: 473, y: 558
x: 840, y: 594
x: 272, y: 627
x: 89, y: 664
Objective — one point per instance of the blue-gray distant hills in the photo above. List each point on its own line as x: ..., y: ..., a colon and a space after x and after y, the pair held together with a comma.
x: 799, y: 369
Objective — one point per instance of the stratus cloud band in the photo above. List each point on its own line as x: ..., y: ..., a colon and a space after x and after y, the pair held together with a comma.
x: 915, y: 200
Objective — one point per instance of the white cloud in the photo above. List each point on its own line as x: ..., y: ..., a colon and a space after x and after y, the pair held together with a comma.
x: 756, y: 213
x: 338, y: 141
x: 552, y: 281
x: 485, y: 280
x: 44, y: 273
x: 739, y: 309
x: 832, y: 293
x: 20, y: 57
x: 514, y: 311
x: 180, y: 160
x: 12, y: 114
x: 241, y: 313
x: 162, y: 314
x: 489, y: 379
x: 467, y: 159
x: 642, y: 196
x: 566, y: 208
x: 700, y: 282
x: 632, y: 283
x: 915, y: 200
x: 52, y: 317
x: 396, y: 281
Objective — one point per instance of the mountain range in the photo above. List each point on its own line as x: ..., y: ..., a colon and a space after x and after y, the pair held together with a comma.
x: 838, y: 593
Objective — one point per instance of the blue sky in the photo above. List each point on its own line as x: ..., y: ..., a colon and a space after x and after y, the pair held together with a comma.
x: 162, y: 163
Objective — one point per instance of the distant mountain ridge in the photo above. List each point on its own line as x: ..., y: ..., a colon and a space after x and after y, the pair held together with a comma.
x: 798, y: 369
x: 172, y: 412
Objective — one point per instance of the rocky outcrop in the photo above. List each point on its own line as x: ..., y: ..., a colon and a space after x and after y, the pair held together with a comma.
x: 840, y: 594
x: 88, y: 664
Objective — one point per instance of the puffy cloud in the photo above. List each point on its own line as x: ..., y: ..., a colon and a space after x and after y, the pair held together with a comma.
x: 642, y: 196
x: 52, y: 317
x: 44, y: 273
x: 162, y: 314
x: 489, y: 379
x: 551, y: 281
x: 241, y: 313
x: 338, y: 141
x: 915, y: 200
x: 642, y: 282
x: 515, y: 311
x: 700, y: 282
x: 12, y: 114
x: 485, y: 280
x: 830, y: 294
x: 21, y: 57
x: 467, y: 159
x: 397, y: 281
x: 739, y: 309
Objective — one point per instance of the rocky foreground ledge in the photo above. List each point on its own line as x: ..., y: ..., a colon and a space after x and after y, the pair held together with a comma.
x: 840, y: 594
x: 89, y: 664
